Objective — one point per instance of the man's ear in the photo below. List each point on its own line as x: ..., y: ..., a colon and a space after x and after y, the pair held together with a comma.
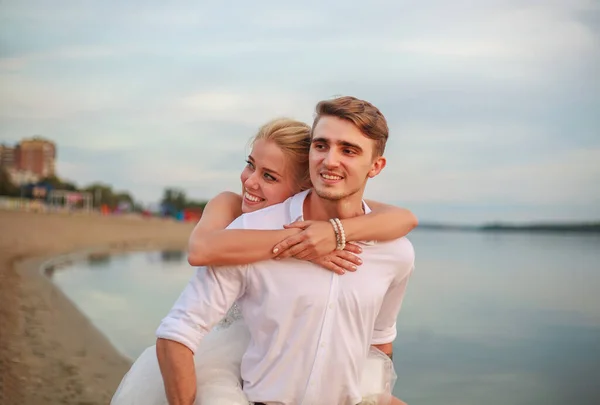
x: 377, y: 166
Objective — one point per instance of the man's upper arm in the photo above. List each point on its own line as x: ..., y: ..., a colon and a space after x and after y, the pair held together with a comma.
x: 385, y: 323
x: 204, y: 302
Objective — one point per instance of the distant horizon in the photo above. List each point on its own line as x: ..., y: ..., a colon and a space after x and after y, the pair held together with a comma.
x: 528, y: 225
x: 444, y: 223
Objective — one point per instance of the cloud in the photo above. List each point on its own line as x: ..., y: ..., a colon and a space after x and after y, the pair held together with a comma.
x: 250, y: 107
x: 27, y: 97
x: 487, y: 101
x: 18, y: 63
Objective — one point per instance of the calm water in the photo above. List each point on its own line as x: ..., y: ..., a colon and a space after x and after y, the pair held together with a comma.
x: 489, y: 318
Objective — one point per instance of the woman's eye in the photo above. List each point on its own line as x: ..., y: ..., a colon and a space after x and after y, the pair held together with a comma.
x: 269, y: 177
x: 249, y: 164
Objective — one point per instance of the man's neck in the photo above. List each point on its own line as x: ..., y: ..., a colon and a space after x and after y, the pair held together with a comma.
x: 320, y: 209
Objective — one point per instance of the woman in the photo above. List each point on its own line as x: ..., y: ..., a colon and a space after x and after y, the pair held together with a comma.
x: 276, y: 169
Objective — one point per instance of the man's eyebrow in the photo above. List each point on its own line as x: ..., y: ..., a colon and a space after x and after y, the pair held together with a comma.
x: 350, y: 145
x: 341, y: 143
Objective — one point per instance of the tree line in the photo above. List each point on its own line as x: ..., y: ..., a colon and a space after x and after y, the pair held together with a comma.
x: 173, y: 200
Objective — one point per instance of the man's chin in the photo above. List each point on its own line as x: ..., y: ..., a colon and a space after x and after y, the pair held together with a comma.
x: 329, y: 194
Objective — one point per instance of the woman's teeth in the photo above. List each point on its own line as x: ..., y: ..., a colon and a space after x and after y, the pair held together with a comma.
x: 252, y: 198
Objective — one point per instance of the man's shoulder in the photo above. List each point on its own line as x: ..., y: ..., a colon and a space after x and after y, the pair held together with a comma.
x: 272, y: 217
x: 400, y: 251
x: 402, y: 244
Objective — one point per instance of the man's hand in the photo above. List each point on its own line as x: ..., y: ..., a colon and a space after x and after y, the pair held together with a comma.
x: 176, y: 363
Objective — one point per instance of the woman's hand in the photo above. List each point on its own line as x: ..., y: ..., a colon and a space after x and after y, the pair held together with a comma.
x: 316, y: 240
x: 316, y: 243
x: 340, y: 261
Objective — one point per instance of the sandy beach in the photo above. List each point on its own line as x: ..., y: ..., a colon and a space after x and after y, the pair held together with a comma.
x: 49, y: 352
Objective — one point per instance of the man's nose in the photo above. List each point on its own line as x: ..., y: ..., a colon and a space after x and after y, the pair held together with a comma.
x: 332, y: 159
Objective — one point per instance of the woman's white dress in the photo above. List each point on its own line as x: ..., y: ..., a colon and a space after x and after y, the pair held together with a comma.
x: 218, y: 363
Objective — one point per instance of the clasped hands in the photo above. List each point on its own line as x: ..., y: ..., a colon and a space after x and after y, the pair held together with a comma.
x: 316, y: 242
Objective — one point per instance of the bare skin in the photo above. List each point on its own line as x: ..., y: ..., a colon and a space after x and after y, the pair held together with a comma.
x: 176, y: 363
x: 397, y: 401
x: 211, y: 244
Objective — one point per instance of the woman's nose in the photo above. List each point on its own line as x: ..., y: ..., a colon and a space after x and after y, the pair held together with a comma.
x: 251, y: 182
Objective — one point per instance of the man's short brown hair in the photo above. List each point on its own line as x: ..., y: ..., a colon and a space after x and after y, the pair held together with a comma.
x: 364, y: 115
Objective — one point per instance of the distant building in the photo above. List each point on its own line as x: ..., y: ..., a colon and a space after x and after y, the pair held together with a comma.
x: 7, y: 157
x: 22, y: 177
x: 29, y: 161
x: 36, y: 155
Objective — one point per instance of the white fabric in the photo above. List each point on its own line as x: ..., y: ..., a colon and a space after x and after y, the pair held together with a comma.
x: 310, y: 329
x: 217, y: 364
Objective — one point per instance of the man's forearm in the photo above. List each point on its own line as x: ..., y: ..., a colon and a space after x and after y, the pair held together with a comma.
x: 387, y: 348
x: 176, y: 363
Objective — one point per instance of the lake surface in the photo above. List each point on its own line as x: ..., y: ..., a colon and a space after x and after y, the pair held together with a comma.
x: 489, y: 318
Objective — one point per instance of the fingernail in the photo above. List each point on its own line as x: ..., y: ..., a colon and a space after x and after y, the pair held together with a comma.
x: 275, y: 250
x: 360, y: 260
x: 353, y: 267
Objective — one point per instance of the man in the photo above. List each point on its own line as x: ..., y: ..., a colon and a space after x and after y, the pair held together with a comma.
x: 310, y: 329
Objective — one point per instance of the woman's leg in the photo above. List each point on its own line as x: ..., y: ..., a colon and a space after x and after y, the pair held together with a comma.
x: 217, y: 364
x: 378, y: 379
x: 143, y: 382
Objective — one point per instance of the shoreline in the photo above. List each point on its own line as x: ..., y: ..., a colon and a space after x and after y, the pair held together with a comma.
x: 50, y: 352
x: 60, y: 262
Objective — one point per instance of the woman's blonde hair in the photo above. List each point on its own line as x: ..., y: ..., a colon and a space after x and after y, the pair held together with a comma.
x: 293, y: 138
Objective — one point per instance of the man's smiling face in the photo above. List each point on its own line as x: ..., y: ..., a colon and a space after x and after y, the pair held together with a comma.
x: 341, y: 159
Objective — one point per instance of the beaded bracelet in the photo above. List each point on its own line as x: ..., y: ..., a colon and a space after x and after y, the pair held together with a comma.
x: 340, y: 235
x: 336, y: 231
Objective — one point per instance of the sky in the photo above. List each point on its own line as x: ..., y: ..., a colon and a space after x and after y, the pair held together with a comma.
x: 493, y: 106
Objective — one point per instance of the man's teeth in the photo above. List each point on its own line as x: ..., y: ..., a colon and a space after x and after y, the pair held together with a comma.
x: 330, y: 177
x: 252, y: 198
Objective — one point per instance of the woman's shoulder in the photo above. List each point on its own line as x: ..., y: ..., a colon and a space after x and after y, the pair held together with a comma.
x: 271, y: 217
x: 227, y: 200
x: 227, y: 196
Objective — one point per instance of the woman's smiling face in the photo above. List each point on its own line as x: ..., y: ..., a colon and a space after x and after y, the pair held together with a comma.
x: 266, y: 179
